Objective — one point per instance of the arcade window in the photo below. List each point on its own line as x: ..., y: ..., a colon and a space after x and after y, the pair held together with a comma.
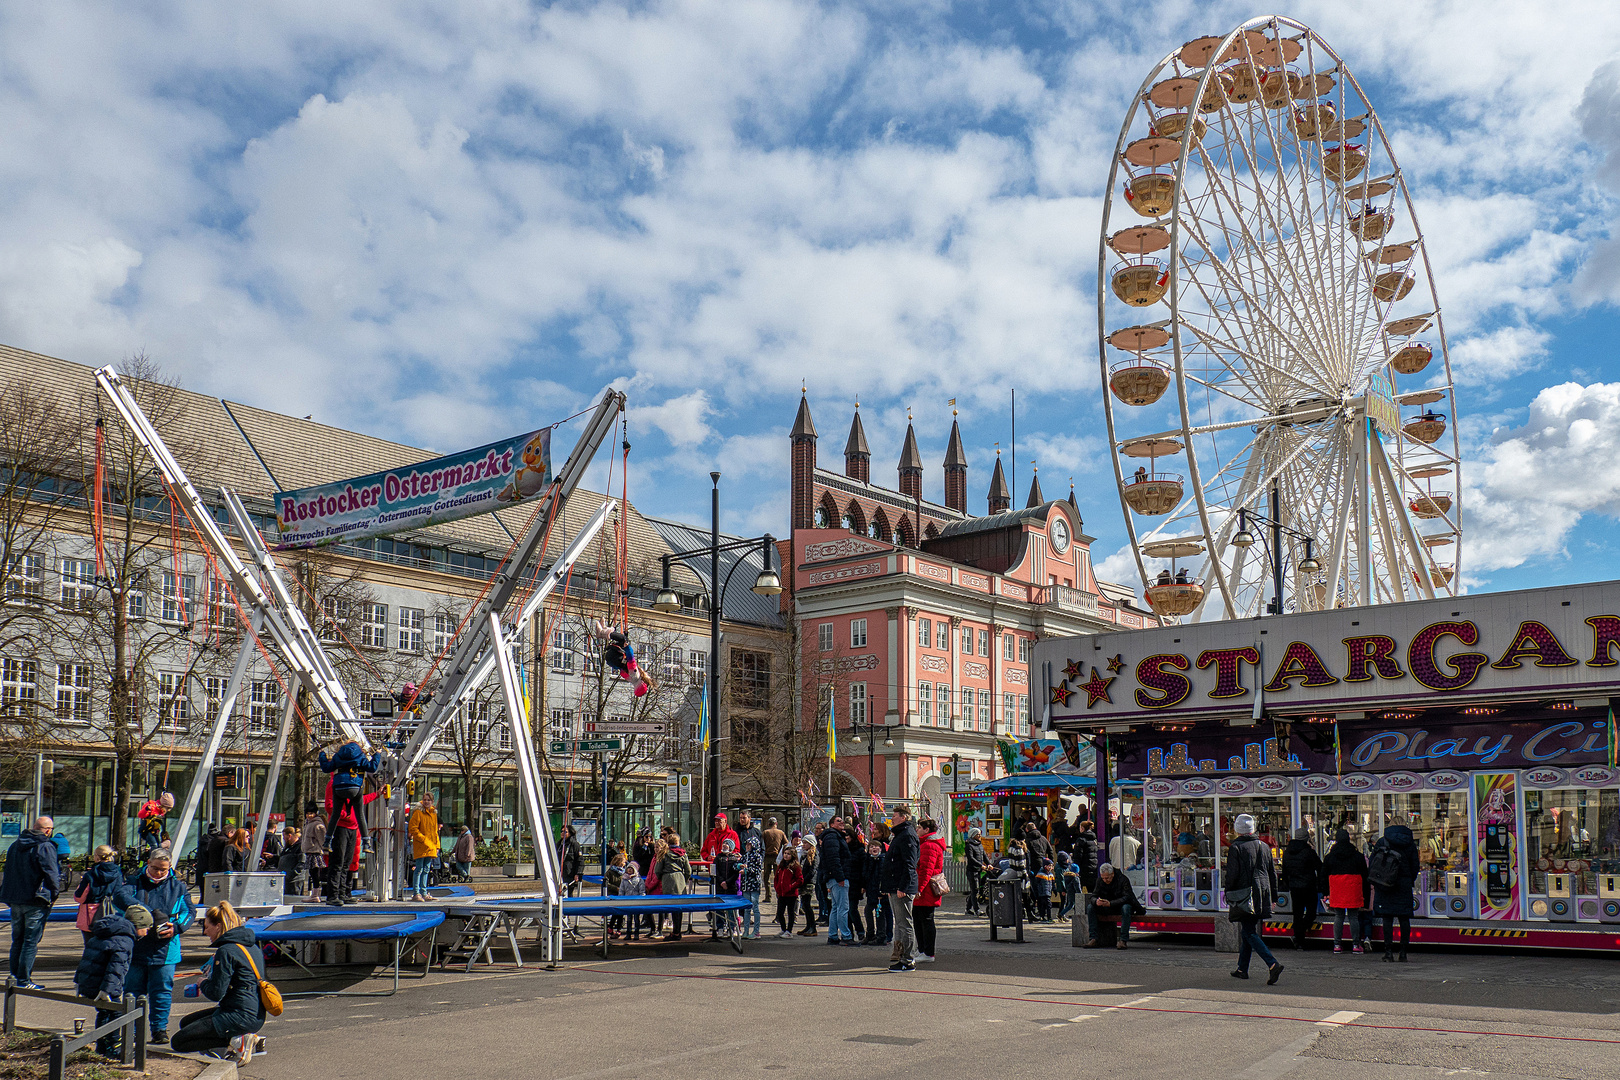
x: 821, y: 517
x: 824, y: 637
x: 857, y: 633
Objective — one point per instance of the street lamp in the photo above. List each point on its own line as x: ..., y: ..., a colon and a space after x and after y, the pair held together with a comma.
x: 1244, y: 539
x: 766, y: 583
x: 871, y: 750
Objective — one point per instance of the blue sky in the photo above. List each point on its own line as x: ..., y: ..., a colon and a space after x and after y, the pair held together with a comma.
x: 442, y: 228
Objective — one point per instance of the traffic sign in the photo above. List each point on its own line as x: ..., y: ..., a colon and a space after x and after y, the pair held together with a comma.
x: 585, y: 746
x: 626, y: 727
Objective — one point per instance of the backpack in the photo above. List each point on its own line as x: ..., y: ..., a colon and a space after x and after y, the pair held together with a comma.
x: 1385, y: 867
x: 269, y: 996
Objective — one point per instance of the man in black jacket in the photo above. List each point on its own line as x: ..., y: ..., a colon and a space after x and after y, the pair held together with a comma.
x: 977, y: 864
x: 835, y: 869
x: 1085, y: 855
x: 1302, y: 876
x: 1037, y: 847
x: 1113, y: 897
x: 899, y: 881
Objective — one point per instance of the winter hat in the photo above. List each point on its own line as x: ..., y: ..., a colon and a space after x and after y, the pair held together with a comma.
x: 139, y: 916
x: 727, y: 847
x: 973, y: 834
x: 1303, y: 834
x: 796, y: 834
x: 1244, y: 825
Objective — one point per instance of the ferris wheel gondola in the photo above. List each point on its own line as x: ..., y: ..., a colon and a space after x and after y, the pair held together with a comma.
x: 1271, y: 340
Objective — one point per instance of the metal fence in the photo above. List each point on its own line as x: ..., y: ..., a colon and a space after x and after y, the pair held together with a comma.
x: 132, y: 1015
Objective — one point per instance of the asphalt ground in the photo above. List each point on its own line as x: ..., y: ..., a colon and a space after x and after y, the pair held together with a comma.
x: 797, y: 1007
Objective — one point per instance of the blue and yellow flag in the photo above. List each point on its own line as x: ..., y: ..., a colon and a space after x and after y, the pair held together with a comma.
x: 832, y: 727
x: 703, y: 719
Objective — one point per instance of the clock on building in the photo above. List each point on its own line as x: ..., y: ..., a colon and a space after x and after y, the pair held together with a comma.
x: 1060, y: 535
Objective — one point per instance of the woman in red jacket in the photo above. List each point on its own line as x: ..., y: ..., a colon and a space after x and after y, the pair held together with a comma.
x: 789, y: 880
x: 1346, y: 869
x: 930, y: 861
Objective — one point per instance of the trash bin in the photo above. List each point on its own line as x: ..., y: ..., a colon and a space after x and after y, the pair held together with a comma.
x: 1007, y: 904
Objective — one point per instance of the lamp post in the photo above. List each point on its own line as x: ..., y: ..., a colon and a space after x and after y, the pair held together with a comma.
x: 767, y: 583
x: 871, y: 750
x: 1245, y: 539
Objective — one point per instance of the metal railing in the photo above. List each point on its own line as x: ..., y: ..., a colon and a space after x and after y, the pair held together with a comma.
x: 132, y: 1014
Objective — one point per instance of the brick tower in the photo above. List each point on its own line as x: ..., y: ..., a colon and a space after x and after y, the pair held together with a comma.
x: 910, y: 465
x: 1000, y: 497
x: 956, y: 469
x: 804, y: 467
x: 857, y: 456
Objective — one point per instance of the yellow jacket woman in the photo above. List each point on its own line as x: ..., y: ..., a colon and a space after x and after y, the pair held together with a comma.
x: 424, y: 832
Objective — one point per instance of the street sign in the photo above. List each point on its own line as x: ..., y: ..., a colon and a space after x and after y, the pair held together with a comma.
x: 230, y: 777
x: 585, y: 746
x: 626, y: 727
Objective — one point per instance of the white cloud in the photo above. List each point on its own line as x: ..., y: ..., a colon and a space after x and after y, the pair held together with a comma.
x: 1536, y: 481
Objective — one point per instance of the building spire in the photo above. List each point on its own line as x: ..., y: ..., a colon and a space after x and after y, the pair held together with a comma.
x: 1035, y: 496
x: 1000, y: 498
x: 911, y: 466
x: 857, y: 455
x: 956, y: 467
x: 1071, y: 497
x: 803, y: 426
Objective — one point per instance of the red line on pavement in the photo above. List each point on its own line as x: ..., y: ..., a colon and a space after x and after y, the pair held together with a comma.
x: 1093, y: 1005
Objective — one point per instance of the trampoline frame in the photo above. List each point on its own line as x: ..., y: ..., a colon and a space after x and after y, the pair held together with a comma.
x: 399, y: 942
x: 514, y: 915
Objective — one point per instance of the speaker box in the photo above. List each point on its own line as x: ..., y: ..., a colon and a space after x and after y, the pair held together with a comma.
x: 1539, y: 907
x: 1284, y: 903
x: 1152, y: 897
x: 1189, y: 899
x: 1587, y: 908
x: 1170, y: 897
x: 1438, y: 906
x: 1561, y: 909
x: 1462, y: 907
x: 1204, y: 899
x: 1608, y: 909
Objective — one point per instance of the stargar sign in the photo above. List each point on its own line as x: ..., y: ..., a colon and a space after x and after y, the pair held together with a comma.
x: 1544, y: 642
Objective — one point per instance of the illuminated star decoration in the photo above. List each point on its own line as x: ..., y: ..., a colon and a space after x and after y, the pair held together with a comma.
x: 1117, y: 664
x: 1061, y: 693
x: 1073, y: 669
x: 1097, y: 688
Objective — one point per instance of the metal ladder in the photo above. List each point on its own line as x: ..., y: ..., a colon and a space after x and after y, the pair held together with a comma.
x: 477, y: 940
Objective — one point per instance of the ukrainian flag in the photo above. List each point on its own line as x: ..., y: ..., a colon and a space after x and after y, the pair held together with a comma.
x: 832, y: 727
x: 703, y: 719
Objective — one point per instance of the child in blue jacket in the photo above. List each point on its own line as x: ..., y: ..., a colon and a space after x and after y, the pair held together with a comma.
x: 348, y: 767
x: 105, y: 964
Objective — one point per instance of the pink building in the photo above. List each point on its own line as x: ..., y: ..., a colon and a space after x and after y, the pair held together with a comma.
x: 930, y: 644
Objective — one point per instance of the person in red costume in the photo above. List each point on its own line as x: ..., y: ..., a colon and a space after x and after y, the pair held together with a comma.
x: 717, y: 835
x: 343, y: 859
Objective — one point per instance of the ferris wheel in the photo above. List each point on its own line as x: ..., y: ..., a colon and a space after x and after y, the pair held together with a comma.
x: 1280, y: 403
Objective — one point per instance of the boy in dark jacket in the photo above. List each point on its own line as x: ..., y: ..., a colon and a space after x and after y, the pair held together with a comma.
x: 1393, y: 870
x: 1302, y: 877
x: 105, y: 965
x: 1044, y: 880
x: 727, y: 882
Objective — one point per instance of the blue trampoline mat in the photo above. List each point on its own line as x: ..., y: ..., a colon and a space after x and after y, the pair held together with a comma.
x: 619, y: 905
x: 355, y: 924
x: 70, y: 912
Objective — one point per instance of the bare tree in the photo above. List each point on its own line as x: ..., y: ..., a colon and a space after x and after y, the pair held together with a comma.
x: 478, y: 743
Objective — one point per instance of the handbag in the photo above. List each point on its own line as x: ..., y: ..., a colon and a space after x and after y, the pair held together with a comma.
x: 269, y: 996
x: 89, y: 910
x: 939, y: 884
x: 1240, y: 905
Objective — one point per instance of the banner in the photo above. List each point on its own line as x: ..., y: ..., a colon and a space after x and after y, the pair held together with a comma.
x: 414, y: 496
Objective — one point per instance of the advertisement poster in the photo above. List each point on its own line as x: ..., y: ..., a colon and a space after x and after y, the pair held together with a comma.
x: 1497, y: 870
x: 414, y: 496
x: 966, y: 813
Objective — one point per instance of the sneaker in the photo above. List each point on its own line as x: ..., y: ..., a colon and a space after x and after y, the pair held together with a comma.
x: 785, y: 933
x: 259, y: 1045
x: 903, y: 966
x: 30, y: 986
x: 1357, y: 949
x: 923, y: 958
x: 1240, y: 974
x: 159, y: 1038
x: 1337, y: 950
x: 242, y: 1049
x: 1276, y: 973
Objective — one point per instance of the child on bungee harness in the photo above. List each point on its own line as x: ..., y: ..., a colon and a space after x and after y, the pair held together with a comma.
x: 348, y: 767
x: 620, y: 655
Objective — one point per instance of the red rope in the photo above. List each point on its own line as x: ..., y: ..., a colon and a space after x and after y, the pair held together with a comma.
x: 97, y: 525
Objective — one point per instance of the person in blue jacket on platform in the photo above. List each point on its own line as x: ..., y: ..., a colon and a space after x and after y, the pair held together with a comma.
x: 151, y: 968
x: 348, y: 768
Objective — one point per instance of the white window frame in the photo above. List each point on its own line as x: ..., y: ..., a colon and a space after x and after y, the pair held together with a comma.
x: 411, y: 622
x: 74, y: 687
x: 942, y: 695
x: 987, y: 710
x: 697, y: 665
x: 444, y: 629
x: 673, y: 665
x: 373, y: 625
x: 925, y: 634
x: 967, y: 641
x: 25, y: 580
x: 19, y: 685
x: 264, y: 704
x: 857, y: 703
x: 824, y: 637
x: 984, y: 643
x: 221, y: 603
x: 857, y: 633
x: 1009, y: 713
x: 925, y: 702
x: 966, y: 708
x: 174, y: 707
x: 1008, y: 650
x: 135, y: 603
x: 562, y: 651
x: 562, y: 724
x: 1023, y: 714
x: 174, y: 604
x: 1024, y: 644
x: 213, y: 695
x: 942, y: 635
x: 78, y: 584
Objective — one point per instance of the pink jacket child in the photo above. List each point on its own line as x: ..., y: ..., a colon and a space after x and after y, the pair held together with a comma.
x: 620, y: 655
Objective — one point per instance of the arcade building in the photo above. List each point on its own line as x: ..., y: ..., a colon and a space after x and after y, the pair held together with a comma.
x: 917, y: 620
x: 1484, y: 722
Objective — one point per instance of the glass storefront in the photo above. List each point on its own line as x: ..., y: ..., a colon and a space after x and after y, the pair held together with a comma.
x: 1325, y: 815
x: 1574, y: 831
x: 1439, y: 824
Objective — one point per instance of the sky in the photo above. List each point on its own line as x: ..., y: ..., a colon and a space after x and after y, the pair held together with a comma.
x: 444, y: 225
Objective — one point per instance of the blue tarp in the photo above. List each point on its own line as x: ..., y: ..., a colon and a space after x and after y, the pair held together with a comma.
x: 352, y: 924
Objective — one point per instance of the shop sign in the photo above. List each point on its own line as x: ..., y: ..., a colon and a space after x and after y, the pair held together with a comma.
x: 1358, y: 782
x: 1315, y: 784
x: 1545, y: 777
x: 1594, y: 776
x: 1272, y: 785
x: 1196, y: 786
x: 1543, y: 642
x: 1231, y: 785
x: 1444, y: 780
x: 1402, y: 781
x: 1159, y: 789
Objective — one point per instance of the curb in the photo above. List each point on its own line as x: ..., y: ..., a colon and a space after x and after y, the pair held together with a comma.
x: 212, y: 1070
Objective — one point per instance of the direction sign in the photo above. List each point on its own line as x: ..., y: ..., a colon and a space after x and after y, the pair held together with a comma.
x: 585, y: 746
x: 626, y: 727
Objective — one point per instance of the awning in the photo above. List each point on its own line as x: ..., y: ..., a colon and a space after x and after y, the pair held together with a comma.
x: 1039, y: 784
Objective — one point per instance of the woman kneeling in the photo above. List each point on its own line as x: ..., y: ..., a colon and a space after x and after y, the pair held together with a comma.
x: 232, y: 979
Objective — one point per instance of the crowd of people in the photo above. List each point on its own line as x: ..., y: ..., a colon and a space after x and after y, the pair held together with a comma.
x: 131, y: 926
